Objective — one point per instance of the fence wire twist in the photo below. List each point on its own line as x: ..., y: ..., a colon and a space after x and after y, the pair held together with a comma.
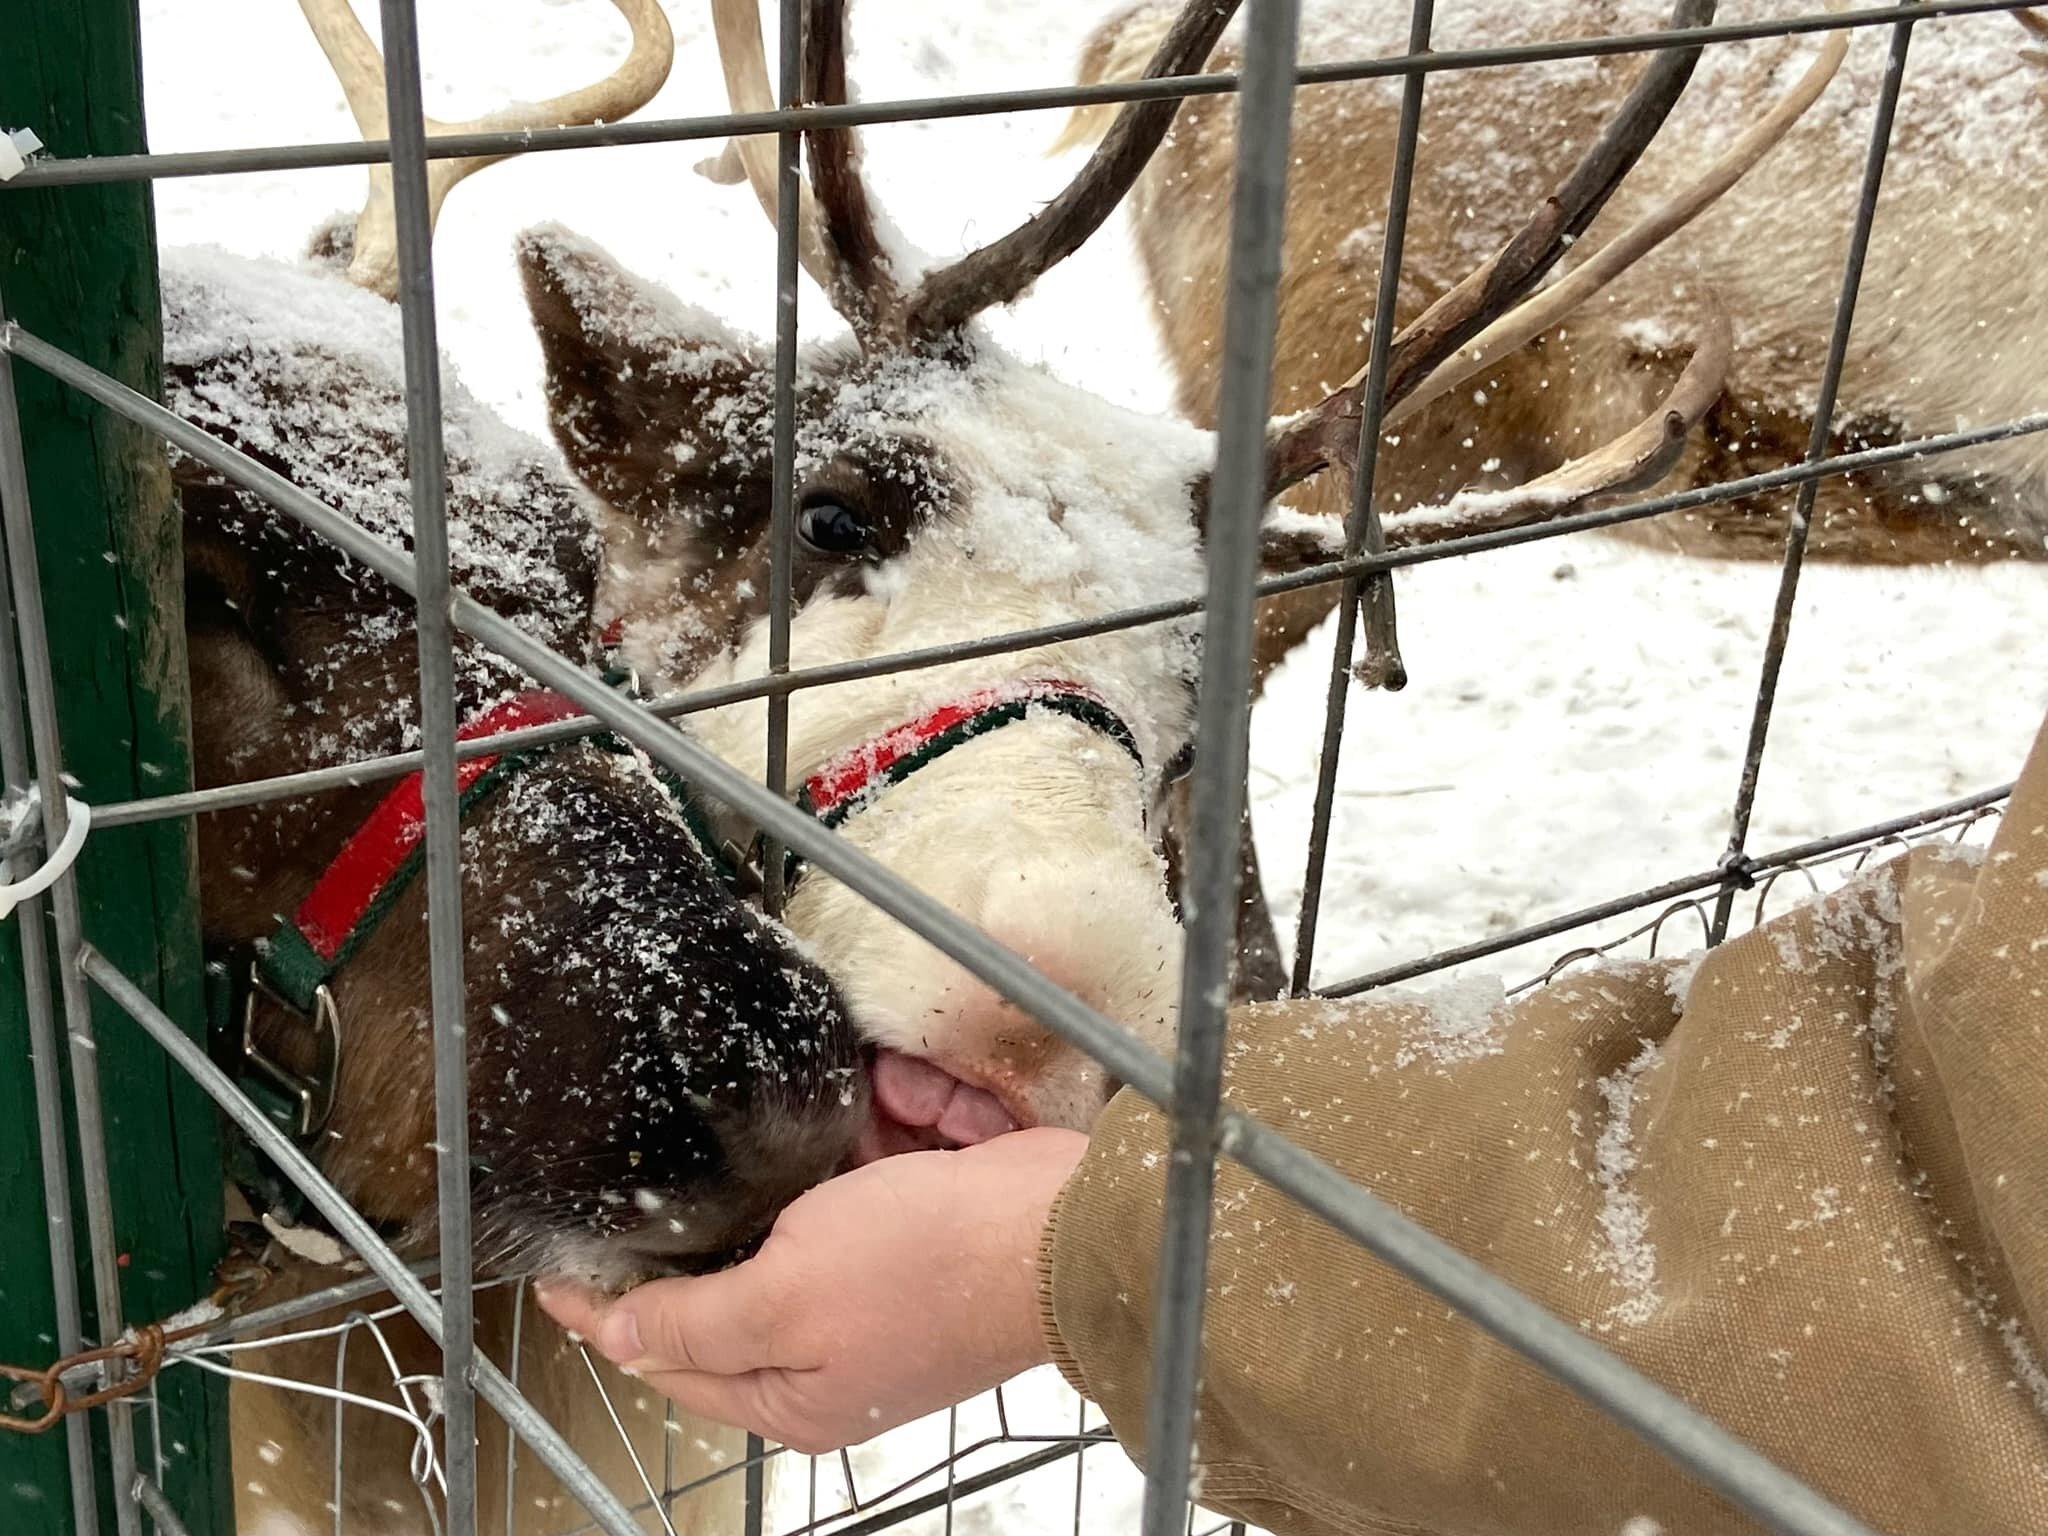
x: 445, y: 1463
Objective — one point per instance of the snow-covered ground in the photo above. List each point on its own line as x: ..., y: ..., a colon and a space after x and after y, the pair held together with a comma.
x: 1578, y: 707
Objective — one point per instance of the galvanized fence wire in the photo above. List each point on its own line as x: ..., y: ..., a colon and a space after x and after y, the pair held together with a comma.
x: 87, y: 170
x: 438, y: 724
x: 32, y: 633
x: 1204, y: 1127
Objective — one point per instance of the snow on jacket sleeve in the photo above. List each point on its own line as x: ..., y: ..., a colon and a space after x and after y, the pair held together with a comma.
x: 1802, y: 1182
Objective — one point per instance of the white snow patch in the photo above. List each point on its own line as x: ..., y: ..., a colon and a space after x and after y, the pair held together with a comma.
x: 1312, y: 529
x: 1678, y: 982
x: 1478, y: 510
x: 1462, y: 1020
x: 1630, y: 1256
x: 198, y: 1315
x: 2025, y: 1362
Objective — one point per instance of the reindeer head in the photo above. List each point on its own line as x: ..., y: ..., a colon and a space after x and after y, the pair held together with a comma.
x: 944, y: 492
x: 654, y: 1069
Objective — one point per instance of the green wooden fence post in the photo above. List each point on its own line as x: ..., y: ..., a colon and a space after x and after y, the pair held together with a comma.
x: 78, y: 267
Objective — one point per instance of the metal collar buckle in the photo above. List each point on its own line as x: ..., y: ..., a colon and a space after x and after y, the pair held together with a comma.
x: 312, y: 1097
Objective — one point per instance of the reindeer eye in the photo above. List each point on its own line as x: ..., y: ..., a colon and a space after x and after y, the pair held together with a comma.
x: 830, y: 527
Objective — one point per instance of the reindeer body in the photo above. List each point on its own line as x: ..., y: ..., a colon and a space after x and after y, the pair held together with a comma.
x: 654, y: 1070
x: 1952, y: 316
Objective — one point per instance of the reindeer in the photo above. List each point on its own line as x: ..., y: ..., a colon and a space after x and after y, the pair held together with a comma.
x: 1952, y: 313
x: 1953, y: 310
x: 655, y: 1070
x: 945, y: 490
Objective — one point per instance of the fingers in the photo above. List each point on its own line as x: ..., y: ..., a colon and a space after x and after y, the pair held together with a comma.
x: 765, y: 1401
x: 723, y: 1324
x: 599, y: 1320
x: 577, y: 1308
x: 776, y: 1405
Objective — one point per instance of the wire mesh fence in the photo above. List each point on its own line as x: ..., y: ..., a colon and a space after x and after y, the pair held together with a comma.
x: 992, y: 1459
x: 991, y: 1445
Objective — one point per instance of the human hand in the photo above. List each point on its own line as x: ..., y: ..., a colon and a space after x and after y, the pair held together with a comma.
x: 882, y: 1295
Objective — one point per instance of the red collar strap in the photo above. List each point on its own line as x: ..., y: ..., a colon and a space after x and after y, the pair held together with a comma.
x: 851, y: 781
x: 376, y: 864
x: 293, y: 967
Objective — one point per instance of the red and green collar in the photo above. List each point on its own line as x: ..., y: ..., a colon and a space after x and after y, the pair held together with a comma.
x: 388, y: 850
x: 852, y: 780
x: 384, y: 855
x: 288, y: 974
x: 291, y: 970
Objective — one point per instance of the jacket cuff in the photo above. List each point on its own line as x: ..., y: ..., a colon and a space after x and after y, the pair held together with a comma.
x: 1048, y: 1318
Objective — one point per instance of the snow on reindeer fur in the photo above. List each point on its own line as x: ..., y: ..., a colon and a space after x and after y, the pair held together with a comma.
x: 1034, y: 501
x: 1616, y: 680
x: 1966, y: 80
x: 304, y: 371
x: 1065, y: 508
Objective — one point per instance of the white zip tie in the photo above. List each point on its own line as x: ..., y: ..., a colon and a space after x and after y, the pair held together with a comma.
x: 78, y: 817
x: 17, y: 147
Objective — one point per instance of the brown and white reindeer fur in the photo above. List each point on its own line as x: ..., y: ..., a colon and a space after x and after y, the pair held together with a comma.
x: 1950, y: 323
x: 1000, y: 499
x: 1952, y: 317
x: 655, y: 1070
x: 946, y: 492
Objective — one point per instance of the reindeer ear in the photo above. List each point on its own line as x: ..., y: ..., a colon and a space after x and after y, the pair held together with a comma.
x: 651, y: 401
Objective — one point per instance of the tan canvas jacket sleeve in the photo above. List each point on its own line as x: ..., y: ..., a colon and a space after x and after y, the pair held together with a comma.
x: 1802, y: 1182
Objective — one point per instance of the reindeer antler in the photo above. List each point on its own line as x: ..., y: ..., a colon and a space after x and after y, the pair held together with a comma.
x: 856, y: 278
x: 849, y: 217
x: 839, y: 240
x: 1544, y: 309
x: 1327, y: 432
x: 360, y: 68
x: 1635, y: 460
x: 2036, y: 25
x: 1000, y: 271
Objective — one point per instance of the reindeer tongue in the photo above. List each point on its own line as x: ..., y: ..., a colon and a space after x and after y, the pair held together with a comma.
x: 913, y: 1092
x: 910, y: 1090
x: 973, y: 1116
